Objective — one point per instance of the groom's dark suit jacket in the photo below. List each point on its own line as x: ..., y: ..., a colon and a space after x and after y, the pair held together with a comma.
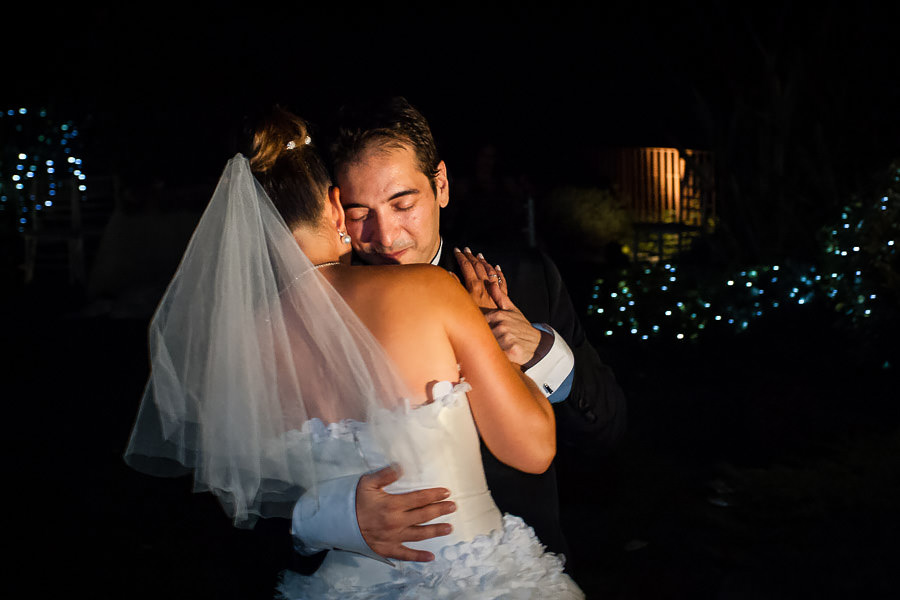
x: 592, y: 416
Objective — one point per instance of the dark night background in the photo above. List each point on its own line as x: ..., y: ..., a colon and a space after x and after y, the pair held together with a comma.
x: 760, y: 465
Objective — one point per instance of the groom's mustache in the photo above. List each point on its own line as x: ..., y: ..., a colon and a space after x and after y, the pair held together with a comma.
x: 393, y: 249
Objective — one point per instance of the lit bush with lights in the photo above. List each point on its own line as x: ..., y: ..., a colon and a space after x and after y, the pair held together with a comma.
x: 858, y: 275
x: 662, y: 301
x: 38, y: 154
x: 861, y: 256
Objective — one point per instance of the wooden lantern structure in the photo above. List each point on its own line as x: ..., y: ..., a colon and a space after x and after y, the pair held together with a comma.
x: 670, y: 194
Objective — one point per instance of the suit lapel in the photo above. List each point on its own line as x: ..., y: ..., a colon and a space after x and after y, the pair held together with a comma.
x: 447, y: 261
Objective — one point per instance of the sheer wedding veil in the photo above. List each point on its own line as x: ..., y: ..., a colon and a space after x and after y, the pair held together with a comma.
x: 251, y: 349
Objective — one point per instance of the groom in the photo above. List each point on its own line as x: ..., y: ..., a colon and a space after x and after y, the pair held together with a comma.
x: 393, y: 186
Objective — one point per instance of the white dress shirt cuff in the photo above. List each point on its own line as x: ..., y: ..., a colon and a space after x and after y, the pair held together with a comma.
x: 331, y: 523
x: 553, y: 373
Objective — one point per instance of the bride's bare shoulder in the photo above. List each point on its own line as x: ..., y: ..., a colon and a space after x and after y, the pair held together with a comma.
x: 410, y: 284
x: 409, y: 275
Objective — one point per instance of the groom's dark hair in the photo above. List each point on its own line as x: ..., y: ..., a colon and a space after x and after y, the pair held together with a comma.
x: 384, y: 123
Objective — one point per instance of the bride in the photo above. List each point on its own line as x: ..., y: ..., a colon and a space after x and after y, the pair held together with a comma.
x: 277, y: 366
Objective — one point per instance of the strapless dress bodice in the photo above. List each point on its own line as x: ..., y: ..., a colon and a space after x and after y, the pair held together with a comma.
x: 485, y: 556
x: 448, y: 454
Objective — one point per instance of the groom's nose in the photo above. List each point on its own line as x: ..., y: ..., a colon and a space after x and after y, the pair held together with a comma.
x: 385, y: 232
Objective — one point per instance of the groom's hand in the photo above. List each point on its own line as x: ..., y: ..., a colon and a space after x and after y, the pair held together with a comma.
x: 518, y: 339
x: 516, y: 335
x: 387, y: 520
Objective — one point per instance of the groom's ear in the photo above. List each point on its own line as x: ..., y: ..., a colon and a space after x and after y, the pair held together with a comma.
x: 442, y: 185
x: 334, y: 205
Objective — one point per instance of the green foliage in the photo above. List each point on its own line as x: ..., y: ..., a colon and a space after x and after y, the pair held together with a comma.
x: 590, y: 218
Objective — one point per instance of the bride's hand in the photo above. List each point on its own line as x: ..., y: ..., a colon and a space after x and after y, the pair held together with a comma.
x: 478, y: 278
x: 386, y: 520
x: 489, y: 289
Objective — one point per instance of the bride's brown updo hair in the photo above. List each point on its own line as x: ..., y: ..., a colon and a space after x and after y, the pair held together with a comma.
x: 285, y: 162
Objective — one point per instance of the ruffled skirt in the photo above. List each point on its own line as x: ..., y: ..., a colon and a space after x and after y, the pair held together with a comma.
x: 509, y: 563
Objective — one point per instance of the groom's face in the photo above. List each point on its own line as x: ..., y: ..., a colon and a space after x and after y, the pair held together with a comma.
x: 393, y: 213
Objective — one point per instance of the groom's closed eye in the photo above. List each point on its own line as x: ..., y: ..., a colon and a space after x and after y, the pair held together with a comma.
x: 356, y: 214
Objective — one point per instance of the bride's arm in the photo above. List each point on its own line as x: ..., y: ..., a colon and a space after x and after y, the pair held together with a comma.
x: 514, y: 418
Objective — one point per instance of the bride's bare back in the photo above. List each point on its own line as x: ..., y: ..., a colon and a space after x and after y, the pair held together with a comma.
x: 405, y: 317
x: 431, y: 329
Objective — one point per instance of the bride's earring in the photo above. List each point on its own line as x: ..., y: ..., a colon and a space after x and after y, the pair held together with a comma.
x: 345, y: 237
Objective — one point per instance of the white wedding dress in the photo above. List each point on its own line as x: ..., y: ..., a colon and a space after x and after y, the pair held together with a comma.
x: 486, y: 556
